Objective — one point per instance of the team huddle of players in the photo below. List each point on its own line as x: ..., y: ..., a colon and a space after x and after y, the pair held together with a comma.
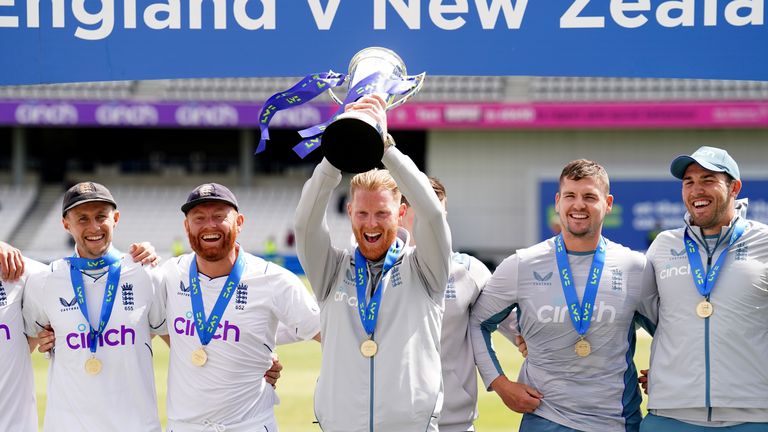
x: 404, y: 322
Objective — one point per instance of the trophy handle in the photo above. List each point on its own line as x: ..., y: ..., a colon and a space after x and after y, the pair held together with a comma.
x: 333, y: 95
x: 419, y: 82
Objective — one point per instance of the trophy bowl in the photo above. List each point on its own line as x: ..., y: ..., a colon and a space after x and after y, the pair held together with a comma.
x: 354, y: 142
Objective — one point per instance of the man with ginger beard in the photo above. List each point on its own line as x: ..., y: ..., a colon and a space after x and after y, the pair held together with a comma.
x: 223, y: 309
x: 382, y: 304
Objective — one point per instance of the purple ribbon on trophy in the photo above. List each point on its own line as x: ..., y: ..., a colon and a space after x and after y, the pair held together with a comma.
x: 372, y: 70
x: 303, y: 91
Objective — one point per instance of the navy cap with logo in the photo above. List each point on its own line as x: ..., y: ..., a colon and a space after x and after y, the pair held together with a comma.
x: 85, y: 192
x: 209, y: 192
x: 711, y: 158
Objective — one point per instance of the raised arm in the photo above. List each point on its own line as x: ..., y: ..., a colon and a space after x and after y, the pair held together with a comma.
x: 318, y: 257
x: 430, y: 230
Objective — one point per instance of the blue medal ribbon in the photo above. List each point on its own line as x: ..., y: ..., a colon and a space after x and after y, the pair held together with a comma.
x: 705, y: 281
x: 581, y: 314
x: 207, y: 328
x: 369, y: 312
x: 76, y: 266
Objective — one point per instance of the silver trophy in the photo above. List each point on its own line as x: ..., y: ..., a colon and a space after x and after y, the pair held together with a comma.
x: 354, y: 142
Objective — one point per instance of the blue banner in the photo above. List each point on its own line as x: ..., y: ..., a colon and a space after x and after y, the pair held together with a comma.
x: 643, y: 207
x: 92, y: 40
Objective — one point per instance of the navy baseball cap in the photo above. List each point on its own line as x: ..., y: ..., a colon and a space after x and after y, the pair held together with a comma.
x: 209, y: 192
x: 711, y: 158
x: 84, y: 192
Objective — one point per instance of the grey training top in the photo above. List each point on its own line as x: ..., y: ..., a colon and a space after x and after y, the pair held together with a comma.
x: 711, y: 371
x: 594, y: 393
x: 400, y: 388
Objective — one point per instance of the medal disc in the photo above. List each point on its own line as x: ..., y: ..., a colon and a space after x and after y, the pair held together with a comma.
x: 199, y: 357
x: 704, y: 309
x: 369, y: 348
x: 93, y: 366
x: 582, y: 348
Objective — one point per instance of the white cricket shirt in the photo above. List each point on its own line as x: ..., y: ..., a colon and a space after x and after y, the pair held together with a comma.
x: 230, y: 389
x: 17, y: 389
x: 122, y: 396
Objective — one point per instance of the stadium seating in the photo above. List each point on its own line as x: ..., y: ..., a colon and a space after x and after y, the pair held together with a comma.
x: 436, y: 89
x: 153, y: 214
x: 14, y: 204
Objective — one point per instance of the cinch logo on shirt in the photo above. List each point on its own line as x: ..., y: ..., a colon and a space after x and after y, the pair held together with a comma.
x: 185, y: 326
x: 4, y: 330
x: 559, y: 314
x: 68, y: 305
x: 674, y: 271
x: 112, y: 337
x: 341, y: 296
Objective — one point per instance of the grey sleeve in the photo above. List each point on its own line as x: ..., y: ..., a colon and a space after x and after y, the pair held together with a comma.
x: 317, y: 255
x: 492, y: 307
x: 431, y: 232
x: 480, y: 274
x: 648, y: 307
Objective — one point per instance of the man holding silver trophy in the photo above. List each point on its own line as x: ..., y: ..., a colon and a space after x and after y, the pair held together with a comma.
x: 381, y: 305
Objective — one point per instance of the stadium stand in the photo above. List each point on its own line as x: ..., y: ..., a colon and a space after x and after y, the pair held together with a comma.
x: 439, y: 89
x: 15, y: 202
x: 152, y: 214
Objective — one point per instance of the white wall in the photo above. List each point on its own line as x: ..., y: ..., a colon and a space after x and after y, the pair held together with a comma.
x: 492, y: 177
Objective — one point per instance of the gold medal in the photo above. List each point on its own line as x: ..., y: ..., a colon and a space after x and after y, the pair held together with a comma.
x: 583, y: 348
x: 369, y: 348
x: 92, y: 366
x: 704, y: 309
x: 199, y: 357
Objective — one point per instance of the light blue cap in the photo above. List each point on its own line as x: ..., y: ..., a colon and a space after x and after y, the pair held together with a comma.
x: 711, y: 158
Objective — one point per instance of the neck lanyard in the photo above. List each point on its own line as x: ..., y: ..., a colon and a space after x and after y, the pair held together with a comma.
x: 705, y: 284
x: 207, y: 328
x: 581, y: 314
x: 76, y: 265
x: 369, y: 312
